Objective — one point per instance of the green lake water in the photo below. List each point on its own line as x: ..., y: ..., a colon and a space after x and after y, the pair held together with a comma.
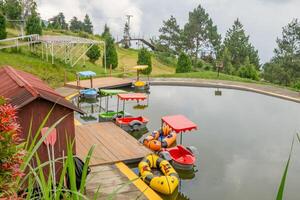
x: 243, y: 140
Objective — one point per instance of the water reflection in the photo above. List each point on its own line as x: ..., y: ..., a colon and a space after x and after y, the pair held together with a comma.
x: 243, y: 140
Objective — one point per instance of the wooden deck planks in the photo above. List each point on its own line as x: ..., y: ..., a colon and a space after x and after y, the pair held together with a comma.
x: 103, y: 82
x: 108, y: 179
x: 112, y: 144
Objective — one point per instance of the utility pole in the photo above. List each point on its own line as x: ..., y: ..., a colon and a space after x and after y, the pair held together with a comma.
x: 127, y: 37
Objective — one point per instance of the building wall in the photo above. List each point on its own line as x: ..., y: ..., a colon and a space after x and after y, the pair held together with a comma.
x: 37, y: 112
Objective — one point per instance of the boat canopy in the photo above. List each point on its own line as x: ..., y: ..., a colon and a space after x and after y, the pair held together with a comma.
x: 179, y: 123
x: 132, y: 96
x: 86, y: 73
x: 112, y: 92
x: 140, y: 67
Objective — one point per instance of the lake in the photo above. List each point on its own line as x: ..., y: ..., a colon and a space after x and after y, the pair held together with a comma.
x: 243, y: 140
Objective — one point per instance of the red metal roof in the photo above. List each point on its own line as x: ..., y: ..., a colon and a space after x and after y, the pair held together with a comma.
x: 179, y: 123
x: 22, y: 88
x: 132, y: 96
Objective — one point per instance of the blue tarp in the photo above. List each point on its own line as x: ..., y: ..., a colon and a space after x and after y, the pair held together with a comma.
x: 86, y: 73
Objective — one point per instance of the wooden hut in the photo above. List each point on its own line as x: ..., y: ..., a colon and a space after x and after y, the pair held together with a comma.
x: 34, y: 99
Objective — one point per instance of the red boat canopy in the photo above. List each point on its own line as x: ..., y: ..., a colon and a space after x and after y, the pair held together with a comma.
x: 132, y: 96
x: 179, y: 123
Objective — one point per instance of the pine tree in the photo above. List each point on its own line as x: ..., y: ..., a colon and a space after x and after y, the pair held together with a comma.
x: 58, y: 22
x: 76, y: 25
x: 87, y: 25
x: 106, y: 32
x: 184, y: 64
x: 93, y: 53
x: 239, y: 46
x: 170, y: 36
x: 33, y: 25
x: 284, y: 68
x: 144, y: 58
x: 200, y: 35
x: 110, y: 49
x: 3, y: 32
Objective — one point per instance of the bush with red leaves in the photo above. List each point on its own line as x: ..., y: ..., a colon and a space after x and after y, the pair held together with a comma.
x: 11, y: 155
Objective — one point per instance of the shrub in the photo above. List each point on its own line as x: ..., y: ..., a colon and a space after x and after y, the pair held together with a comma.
x: 33, y: 25
x: 144, y: 58
x: 111, y: 52
x: 93, y: 53
x: 3, y: 32
x: 11, y: 157
x: 297, y: 85
x: 184, y: 64
x: 248, y: 71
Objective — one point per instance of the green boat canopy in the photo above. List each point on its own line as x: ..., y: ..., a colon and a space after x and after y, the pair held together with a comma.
x: 112, y: 92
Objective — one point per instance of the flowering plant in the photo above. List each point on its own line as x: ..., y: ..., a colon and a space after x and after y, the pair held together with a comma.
x: 11, y: 153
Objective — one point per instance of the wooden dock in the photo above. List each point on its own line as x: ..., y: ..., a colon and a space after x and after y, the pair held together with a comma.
x: 109, y: 180
x: 112, y: 143
x: 103, y: 82
x: 67, y: 91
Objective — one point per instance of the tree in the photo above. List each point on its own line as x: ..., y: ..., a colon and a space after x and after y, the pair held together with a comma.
x: 33, y: 25
x: 200, y: 35
x: 170, y: 36
x: 248, y: 70
x: 12, y: 9
x: 58, y: 22
x: 93, y: 53
x: 110, y: 49
x: 106, y: 32
x: 87, y: 25
x: 184, y: 64
x: 226, y: 60
x: 239, y: 46
x: 76, y: 25
x: 3, y: 32
x: 144, y: 58
x: 284, y: 68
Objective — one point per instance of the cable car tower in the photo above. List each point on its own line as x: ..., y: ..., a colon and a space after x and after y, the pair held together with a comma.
x: 127, y: 37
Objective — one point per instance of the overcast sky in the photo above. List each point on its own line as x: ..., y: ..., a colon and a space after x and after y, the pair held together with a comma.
x: 263, y: 19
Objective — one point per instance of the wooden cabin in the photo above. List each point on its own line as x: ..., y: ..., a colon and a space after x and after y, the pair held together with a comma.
x: 34, y: 99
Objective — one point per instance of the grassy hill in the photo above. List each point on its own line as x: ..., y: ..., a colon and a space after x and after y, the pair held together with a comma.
x: 54, y: 75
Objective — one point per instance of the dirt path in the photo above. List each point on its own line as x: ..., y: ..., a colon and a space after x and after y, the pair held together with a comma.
x: 258, y: 88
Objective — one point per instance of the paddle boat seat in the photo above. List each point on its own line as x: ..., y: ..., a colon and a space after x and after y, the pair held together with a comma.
x: 182, y: 155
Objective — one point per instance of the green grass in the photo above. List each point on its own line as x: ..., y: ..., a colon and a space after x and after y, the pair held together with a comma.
x: 54, y: 74
x: 207, y: 75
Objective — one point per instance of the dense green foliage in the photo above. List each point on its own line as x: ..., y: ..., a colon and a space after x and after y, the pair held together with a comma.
x: 33, y: 25
x: 12, y: 9
x: 87, y: 25
x: 247, y: 70
x: 76, y: 25
x: 3, y: 32
x: 110, y: 49
x: 237, y: 43
x: 58, y: 22
x: 144, y: 58
x: 93, y: 53
x: 284, y: 68
x: 200, y: 35
x: 184, y: 64
x: 170, y: 37
x: 198, y: 38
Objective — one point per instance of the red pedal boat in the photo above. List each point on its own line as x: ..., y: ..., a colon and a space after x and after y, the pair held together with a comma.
x: 182, y: 157
x: 131, y: 124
